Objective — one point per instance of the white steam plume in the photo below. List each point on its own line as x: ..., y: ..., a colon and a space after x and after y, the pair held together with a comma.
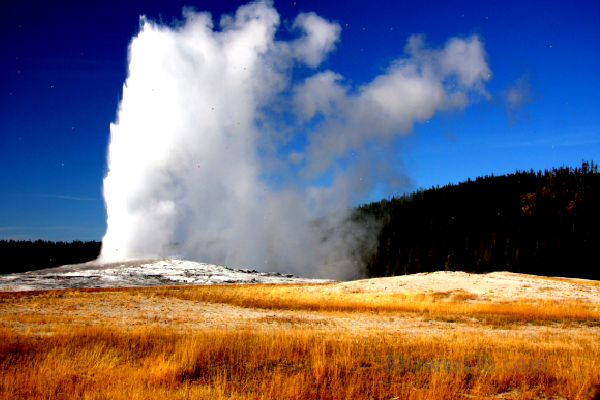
x: 200, y: 136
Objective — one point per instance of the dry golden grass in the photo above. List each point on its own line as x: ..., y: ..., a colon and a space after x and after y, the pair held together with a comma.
x: 70, y: 348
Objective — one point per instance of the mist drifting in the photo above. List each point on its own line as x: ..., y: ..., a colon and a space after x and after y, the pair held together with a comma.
x: 200, y: 151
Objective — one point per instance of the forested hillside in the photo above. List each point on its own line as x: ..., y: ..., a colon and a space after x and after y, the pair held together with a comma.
x: 542, y: 224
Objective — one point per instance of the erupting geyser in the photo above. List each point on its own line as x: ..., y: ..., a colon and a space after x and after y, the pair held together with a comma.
x: 201, y: 155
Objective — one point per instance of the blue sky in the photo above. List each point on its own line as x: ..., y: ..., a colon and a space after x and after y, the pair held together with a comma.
x: 64, y: 65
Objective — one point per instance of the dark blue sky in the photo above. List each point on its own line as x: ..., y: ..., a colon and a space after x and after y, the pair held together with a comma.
x: 63, y: 66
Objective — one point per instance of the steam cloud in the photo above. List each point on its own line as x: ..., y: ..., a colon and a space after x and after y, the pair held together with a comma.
x: 201, y: 132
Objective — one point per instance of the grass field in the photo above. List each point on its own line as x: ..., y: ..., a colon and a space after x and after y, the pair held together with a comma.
x: 65, y: 356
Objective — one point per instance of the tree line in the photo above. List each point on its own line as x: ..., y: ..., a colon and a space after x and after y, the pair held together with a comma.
x: 533, y: 223
x: 23, y: 256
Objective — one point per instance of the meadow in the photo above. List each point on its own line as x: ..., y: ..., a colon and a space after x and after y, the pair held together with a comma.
x: 156, y: 343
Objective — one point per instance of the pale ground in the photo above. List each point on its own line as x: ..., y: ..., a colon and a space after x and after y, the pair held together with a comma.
x: 494, y: 287
x: 123, y: 311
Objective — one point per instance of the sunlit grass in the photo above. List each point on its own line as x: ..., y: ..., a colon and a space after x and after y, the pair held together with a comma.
x: 77, y: 353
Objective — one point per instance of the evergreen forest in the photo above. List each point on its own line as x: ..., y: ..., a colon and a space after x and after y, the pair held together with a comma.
x: 532, y: 223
